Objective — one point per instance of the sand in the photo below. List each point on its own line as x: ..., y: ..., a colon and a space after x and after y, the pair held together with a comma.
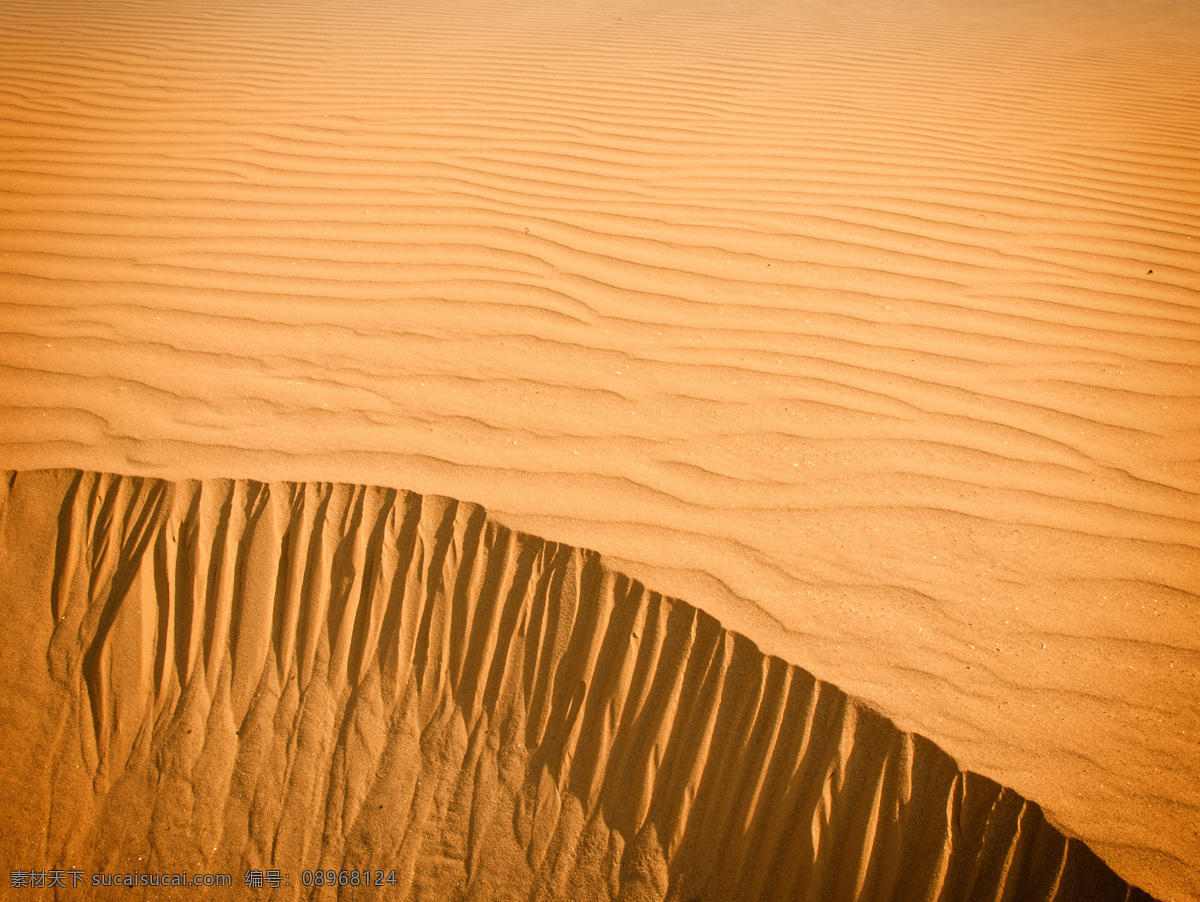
x: 244, y: 675
x: 870, y: 331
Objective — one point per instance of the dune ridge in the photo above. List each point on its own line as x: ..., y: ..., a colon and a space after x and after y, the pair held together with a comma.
x: 318, y: 675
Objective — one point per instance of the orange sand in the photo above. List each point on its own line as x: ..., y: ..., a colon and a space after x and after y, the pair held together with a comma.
x: 244, y: 676
x: 870, y: 330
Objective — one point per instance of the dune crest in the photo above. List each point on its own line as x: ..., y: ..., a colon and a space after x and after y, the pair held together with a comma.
x: 236, y: 674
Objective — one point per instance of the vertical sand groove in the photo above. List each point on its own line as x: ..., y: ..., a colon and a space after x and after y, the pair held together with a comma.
x: 326, y: 675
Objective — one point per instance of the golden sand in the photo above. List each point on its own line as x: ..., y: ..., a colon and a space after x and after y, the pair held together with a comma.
x: 872, y: 331
x: 365, y: 679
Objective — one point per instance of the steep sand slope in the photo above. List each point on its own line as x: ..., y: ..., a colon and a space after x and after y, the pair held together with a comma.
x: 233, y: 675
x: 869, y: 328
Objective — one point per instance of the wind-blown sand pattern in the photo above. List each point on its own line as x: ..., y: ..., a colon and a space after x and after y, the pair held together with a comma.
x: 870, y: 329
x: 234, y: 675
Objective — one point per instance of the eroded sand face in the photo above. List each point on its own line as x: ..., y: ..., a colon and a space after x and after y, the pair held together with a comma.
x: 246, y: 676
x: 871, y: 331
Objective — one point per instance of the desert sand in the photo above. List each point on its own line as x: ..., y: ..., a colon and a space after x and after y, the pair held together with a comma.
x: 360, y: 678
x: 840, y: 361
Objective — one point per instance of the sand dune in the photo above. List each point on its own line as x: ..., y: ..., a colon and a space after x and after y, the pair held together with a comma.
x: 871, y: 329
x: 230, y: 675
